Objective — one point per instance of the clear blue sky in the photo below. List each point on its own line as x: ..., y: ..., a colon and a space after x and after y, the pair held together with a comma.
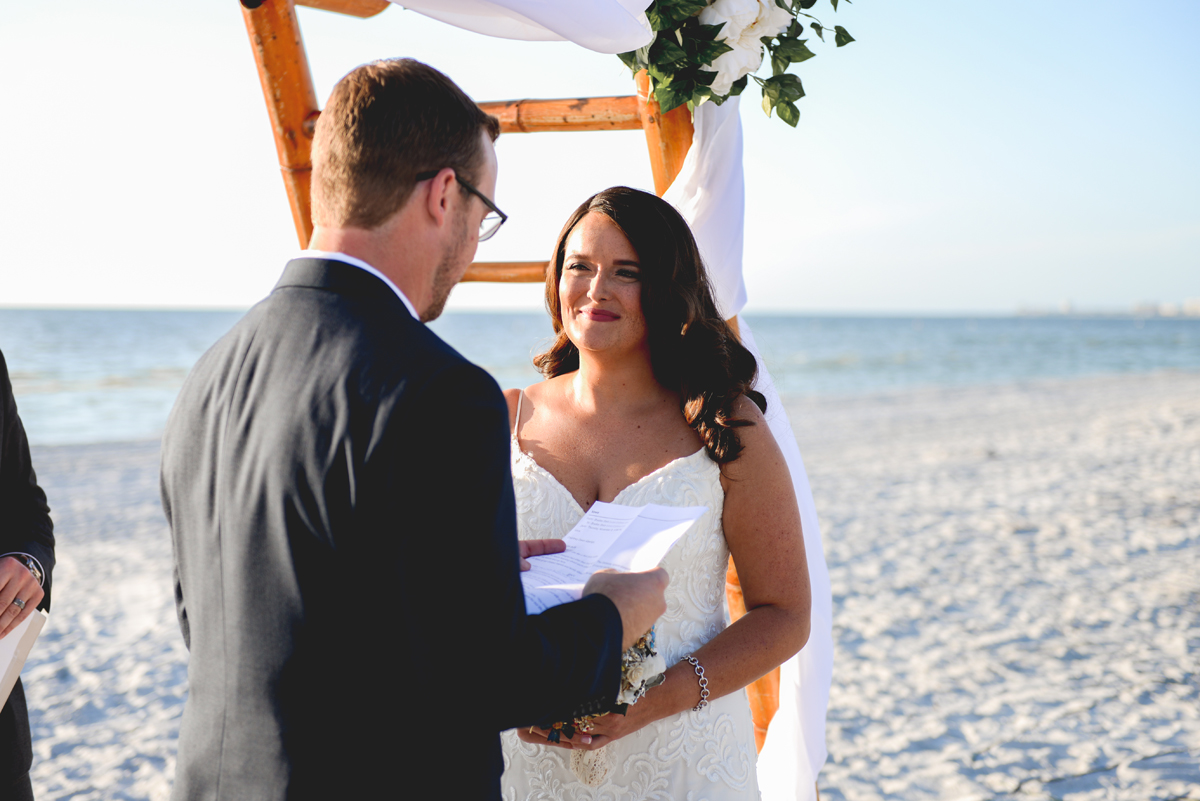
x: 957, y: 157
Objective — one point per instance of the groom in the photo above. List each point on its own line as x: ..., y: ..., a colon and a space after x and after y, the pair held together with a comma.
x: 336, y: 479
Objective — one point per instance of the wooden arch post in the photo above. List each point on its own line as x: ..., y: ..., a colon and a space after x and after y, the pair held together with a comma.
x: 291, y: 101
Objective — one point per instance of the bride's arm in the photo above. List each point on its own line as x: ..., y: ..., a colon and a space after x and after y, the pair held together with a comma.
x: 762, y: 526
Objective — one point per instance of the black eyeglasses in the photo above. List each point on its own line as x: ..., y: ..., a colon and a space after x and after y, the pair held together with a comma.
x: 492, y: 222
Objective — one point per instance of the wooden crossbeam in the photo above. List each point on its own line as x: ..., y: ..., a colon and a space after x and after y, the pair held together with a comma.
x: 507, y: 272
x: 573, y: 114
x: 353, y: 8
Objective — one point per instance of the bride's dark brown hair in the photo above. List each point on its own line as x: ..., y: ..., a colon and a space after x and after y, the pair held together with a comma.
x: 693, y: 351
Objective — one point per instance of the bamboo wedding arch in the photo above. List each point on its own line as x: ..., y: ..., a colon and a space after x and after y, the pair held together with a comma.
x: 287, y: 84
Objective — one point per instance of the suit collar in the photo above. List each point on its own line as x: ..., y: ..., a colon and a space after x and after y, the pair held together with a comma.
x: 335, y: 275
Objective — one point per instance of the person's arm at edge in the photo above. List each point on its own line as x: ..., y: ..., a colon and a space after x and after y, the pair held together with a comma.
x: 28, y: 529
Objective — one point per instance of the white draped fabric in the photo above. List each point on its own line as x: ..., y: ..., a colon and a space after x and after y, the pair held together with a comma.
x: 710, y: 193
x: 606, y: 26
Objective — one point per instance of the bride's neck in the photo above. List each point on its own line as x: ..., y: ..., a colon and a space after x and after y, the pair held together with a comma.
x: 605, y: 383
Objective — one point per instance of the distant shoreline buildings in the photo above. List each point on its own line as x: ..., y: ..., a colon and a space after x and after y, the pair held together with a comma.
x: 1146, y: 309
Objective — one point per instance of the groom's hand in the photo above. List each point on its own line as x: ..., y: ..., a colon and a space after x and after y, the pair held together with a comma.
x: 530, y: 548
x: 638, y: 597
x: 16, y: 582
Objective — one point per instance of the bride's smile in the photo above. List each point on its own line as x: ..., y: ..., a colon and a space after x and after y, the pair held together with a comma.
x: 600, y: 291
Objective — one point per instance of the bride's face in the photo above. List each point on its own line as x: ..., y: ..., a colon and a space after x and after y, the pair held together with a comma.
x: 600, y: 289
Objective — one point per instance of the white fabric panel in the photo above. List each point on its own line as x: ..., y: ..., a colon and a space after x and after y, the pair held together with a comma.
x: 606, y: 26
x: 798, y: 728
x: 710, y: 193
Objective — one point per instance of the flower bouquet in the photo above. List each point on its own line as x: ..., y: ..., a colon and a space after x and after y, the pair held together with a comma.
x: 642, y: 667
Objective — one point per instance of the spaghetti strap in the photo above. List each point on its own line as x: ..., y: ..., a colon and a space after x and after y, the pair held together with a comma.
x: 517, y: 419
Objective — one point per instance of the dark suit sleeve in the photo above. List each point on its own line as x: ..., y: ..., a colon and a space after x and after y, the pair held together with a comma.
x: 513, y: 669
x: 27, y: 527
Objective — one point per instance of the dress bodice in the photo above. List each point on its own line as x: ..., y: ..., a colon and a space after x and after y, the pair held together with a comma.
x: 696, y: 564
x: 697, y: 755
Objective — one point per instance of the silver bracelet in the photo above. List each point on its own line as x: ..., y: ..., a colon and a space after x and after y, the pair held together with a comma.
x: 695, y: 663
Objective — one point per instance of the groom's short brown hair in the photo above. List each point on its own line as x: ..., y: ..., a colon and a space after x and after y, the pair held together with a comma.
x: 386, y: 122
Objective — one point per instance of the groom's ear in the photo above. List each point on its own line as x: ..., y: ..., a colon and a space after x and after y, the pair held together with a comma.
x: 437, y: 198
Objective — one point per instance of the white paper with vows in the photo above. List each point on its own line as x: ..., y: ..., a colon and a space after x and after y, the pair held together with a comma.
x: 609, y: 536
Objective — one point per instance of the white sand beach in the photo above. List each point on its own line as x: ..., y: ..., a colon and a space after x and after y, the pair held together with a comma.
x: 1016, y: 579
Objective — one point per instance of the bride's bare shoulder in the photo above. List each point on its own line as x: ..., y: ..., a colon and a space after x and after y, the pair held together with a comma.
x: 532, y: 396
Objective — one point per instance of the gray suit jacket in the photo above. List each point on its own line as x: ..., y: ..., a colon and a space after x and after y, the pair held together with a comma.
x: 337, y: 484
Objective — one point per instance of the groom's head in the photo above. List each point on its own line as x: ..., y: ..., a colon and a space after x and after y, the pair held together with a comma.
x: 403, y: 172
x: 384, y: 124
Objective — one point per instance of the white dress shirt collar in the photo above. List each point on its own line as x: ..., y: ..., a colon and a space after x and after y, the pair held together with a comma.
x: 362, y: 265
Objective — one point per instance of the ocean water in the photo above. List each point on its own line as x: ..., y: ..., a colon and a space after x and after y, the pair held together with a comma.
x: 83, y: 376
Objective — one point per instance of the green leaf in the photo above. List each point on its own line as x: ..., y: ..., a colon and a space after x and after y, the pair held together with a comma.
x: 739, y: 86
x: 816, y: 26
x: 690, y: 8
x: 807, y: 4
x: 705, y: 32
x: 789, y: 113
x: 779, y: 64
x: 660, y: 75
x: 704, y: 52
x: 630, y: 60
x: 643, y: 53
x: 658, y: 22
x: 665, y: 52
x: 783, y: 88
x: 795, y: 30
x: 672, y: 96
x: 843, y: 37
x: 767, y: 103
x: 704, y: 77
x: 667, y: 14
x: 794, y: 50
x: 834, y: 4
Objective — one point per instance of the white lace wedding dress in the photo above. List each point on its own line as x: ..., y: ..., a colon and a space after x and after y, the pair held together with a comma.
x: 695, y: 756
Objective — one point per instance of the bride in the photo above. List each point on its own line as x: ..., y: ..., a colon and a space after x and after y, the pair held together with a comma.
x: 648, y: 399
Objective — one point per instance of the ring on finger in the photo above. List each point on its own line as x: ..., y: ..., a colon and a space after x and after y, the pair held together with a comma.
x: 17, y: 602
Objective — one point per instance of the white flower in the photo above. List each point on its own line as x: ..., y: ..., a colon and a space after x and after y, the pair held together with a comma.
x: 746, y: 22
x: 637, y: 675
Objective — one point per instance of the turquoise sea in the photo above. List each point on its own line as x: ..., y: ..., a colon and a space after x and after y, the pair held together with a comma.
x: 83, y: 376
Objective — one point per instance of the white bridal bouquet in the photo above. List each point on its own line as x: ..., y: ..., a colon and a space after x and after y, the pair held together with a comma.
x: 642, y: 667
x: 709, y: 50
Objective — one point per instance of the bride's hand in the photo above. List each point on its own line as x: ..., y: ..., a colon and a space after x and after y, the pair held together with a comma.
x: 606, y: 728
x: 538, y: 737
x: 601, y: 730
